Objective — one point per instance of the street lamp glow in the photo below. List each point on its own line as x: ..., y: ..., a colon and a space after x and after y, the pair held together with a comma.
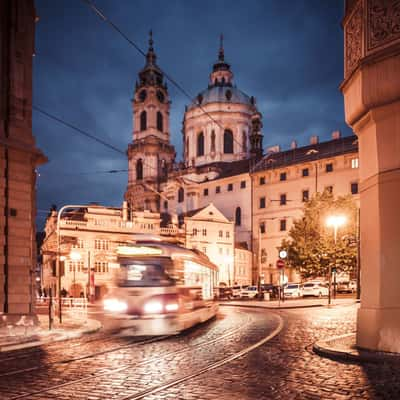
x: 336, y: 221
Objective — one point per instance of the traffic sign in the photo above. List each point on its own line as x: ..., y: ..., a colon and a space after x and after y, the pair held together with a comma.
x: 280, y: 264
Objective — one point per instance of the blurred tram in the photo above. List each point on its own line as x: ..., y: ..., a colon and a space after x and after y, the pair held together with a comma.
x: 160, y: 289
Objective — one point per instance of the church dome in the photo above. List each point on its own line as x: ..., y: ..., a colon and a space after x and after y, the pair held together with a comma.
x: 221, y: 94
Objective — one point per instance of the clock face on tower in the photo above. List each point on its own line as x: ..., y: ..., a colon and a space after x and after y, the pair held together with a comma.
x: 142, y: 95
x: 160, y: 96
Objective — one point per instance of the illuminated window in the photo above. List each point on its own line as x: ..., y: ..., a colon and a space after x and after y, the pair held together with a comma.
x: 354, y: 163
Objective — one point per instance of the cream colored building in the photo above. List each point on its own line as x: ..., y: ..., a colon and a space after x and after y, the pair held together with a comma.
x: 284, y: 180
x: 243, y: 274
x: 88, y: 240
x: 210, y: 232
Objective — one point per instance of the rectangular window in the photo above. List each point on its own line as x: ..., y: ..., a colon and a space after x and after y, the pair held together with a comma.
x: 218, y: 189
x: 305, y: 172
x: 204, y: 232
x: 230, y: 187
x: 262, y: 227
x: 305, y: 195
x: 354, y: 188
x: 262, y: 202
x: 329, y: 167
x: 194, y: 232
x: 242, y: 184
x: 101, y: 244
x: 354, y: 163
x: 220, y: 234
x: 262, y: 180
x: 205, y: 192
x: 283, y: 224
x: 282, y: 176
x: 329, y: 189
x: 227, y: 234
x: 282, y: 200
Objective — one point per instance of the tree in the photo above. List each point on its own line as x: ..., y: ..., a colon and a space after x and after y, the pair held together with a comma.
x: 311, y: 247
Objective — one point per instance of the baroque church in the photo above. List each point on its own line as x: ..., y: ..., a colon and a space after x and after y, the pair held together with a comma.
x: 222, y: 140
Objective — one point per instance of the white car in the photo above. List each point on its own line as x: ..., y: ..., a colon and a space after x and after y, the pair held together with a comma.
x: 237, y: 290
x: 346, y: 287
x: 293, y: 290
x: 249, y: 293
x: 317, y: 289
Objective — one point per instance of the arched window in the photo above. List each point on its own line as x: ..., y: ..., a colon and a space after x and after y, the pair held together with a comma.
x: 244, y: 141
x: 212, y: 141
x: 164, y: 169
x: 238, y: 216
x: 159, y: 121
x: 139, y: 169
x: 143, y: 120
x: 200, y: 144
x: 181, y: 195
x: 228, y: 142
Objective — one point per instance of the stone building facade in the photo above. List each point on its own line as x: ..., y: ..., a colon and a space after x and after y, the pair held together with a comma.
x: 18, y: 159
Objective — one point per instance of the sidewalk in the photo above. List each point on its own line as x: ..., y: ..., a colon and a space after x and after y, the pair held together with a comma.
x: 20, y: 337
x: 289, y: 303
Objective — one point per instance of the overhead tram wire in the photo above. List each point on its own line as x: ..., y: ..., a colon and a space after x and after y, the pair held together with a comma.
x: 103, y: 17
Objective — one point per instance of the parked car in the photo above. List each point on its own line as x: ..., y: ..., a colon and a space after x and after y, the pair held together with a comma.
x: 237, y: 290
x: 249, y: 293
x: 293, y: 290
x: 317, y: 289
x: 346, y: 287
x: 271, y: 289
x: 225, y: 293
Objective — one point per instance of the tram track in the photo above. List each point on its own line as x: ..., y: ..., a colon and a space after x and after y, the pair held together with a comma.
x: 129, y: 365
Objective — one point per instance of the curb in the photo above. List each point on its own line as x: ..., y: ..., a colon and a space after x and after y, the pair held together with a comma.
x: 325, y: 348
x: 66, y: 336
x: 272, y: 308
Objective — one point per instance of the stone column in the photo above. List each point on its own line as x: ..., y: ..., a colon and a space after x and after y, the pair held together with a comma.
x: 371, y: 91
x: 18, y: 159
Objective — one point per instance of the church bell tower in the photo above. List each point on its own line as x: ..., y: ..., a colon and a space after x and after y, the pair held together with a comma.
x: 150, y: 155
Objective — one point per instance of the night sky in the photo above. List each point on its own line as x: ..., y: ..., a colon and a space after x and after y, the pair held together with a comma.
x: 288, y: 54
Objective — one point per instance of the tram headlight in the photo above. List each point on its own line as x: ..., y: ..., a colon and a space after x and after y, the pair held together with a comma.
x: 114, y: 305
x: 153, y: 307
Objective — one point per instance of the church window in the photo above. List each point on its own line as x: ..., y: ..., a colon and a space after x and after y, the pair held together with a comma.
x: 143, y: 121
x: 159, y: 122
x: 181, y: 195
x: 212, y: 141
x: 238, y: 216
x: 228, y: 142
x: 200, y: 144
x: 244, y: 142
x: 139, y: 169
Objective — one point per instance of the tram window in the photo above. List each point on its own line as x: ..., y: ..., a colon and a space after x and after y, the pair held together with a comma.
x: 137, y: 274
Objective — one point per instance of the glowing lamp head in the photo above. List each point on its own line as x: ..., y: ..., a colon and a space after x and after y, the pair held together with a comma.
x: 336, y: 220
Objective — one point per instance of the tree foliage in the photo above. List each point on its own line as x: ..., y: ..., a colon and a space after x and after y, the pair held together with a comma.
x: 311, y: 247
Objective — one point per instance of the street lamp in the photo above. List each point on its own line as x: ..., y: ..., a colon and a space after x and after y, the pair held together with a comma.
x: 334, y: 221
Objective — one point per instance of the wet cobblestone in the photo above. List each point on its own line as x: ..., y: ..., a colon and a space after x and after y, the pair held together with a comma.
x: 283, y: 368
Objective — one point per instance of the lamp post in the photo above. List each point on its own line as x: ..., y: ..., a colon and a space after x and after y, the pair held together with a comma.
x: 334, y: 221
x: 58, y: 264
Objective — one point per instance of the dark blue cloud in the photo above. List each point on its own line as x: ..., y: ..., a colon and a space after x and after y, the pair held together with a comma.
x: 288, y: 54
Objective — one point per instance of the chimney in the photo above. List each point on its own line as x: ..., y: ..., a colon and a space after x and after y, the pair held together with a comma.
x: 293, y: 145
x: 336, y: 135
x: 125, y: 211
x: 274, y: 149
x: 314, y: 139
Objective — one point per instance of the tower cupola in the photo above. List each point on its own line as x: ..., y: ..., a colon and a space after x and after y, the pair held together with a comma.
x: 221, y: 74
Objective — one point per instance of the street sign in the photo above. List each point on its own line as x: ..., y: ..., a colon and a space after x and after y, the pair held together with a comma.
x: 280, y: 264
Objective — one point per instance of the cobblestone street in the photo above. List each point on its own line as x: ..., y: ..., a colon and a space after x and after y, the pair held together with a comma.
x: 213, y: 361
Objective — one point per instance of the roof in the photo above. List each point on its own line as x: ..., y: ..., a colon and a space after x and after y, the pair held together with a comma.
x: 332, y: 148
x: 221, y: 94
x: 227, y: 169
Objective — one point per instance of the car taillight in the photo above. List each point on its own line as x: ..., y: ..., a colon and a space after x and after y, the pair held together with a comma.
x: 164, y: 303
